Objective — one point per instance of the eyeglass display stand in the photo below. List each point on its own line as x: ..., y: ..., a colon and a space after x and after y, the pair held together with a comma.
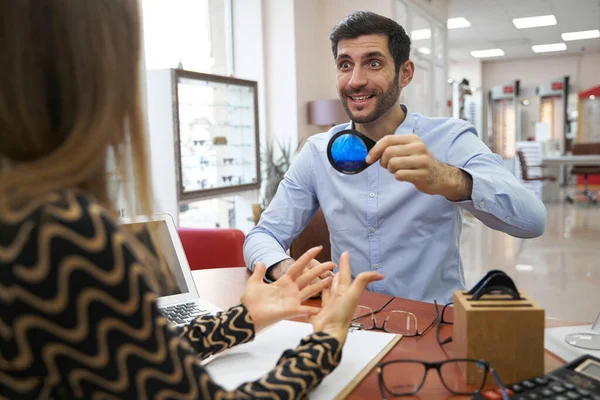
x: 505, y: 331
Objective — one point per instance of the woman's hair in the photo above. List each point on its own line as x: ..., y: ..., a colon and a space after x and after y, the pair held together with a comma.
x: 69, y: 95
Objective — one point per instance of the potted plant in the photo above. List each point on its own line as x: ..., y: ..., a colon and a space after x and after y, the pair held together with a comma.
x: 276, y: 159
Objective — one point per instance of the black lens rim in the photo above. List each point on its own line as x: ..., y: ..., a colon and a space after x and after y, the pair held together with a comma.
x: 369, y: 143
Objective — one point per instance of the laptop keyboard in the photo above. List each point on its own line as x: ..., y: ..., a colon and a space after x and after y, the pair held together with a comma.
x: 182, y: 313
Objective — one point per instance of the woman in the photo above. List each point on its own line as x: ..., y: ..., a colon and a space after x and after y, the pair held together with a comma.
x: 78, y: 316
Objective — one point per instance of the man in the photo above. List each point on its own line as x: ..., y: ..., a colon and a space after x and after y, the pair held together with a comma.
x: 402, y: 216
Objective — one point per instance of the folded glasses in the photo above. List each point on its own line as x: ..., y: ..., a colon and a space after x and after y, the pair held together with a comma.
x: 394, y: 321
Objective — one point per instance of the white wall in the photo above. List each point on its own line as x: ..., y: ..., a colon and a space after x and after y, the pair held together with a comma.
x: 280, y: 70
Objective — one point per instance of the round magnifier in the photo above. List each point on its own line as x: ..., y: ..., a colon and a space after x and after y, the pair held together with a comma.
x: 347, y: 151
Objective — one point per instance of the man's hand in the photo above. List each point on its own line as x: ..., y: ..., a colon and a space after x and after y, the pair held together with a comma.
x: 270, y: 303
x: 407, y: 157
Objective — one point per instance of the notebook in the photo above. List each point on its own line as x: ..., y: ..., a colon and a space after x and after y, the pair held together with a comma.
x: 361, y: 353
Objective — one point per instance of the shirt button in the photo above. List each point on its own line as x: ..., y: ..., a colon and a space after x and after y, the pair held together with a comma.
x: 481, y: 203
x: 375, y: 266
x: 372, y: 194
x: 372, y: 230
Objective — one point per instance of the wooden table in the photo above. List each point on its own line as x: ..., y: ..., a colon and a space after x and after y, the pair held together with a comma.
x: 224, y: 287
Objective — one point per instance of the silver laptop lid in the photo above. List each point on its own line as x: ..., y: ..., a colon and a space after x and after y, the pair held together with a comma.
x: 171, y: 249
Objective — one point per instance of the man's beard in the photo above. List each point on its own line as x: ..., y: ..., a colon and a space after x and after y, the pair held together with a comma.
x: 384, y: 102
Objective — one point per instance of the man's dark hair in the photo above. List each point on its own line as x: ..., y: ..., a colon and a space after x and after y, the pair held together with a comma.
x: 367, y: 23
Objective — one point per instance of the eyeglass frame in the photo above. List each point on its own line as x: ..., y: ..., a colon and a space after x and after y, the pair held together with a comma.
x: 437, y: 366
x: 439, y: 324
x: 382, y: 327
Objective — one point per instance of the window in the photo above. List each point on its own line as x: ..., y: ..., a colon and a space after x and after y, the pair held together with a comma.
x: 190, y: 32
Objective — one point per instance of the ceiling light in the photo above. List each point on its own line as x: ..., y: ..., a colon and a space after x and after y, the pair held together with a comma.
x: 592, y: 97
x: 420, y: 34
x: 487, y: 53
x: 459, y: 22
x: 545, y: 48
x: 534, y: 22
x: 581, y: 35
x: 524, y: 267
x: 424, y: 50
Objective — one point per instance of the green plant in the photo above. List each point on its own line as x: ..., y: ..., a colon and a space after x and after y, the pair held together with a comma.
x: 276, y: 159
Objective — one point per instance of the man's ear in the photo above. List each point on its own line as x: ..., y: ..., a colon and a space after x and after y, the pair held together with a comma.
x: 406, y: 72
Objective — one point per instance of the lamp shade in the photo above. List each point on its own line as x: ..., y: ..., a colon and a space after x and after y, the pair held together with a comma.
x: 326, y: 112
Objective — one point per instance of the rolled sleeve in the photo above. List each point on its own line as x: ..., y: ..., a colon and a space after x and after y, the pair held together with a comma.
x: 498, y: 199
x: 291, y: 209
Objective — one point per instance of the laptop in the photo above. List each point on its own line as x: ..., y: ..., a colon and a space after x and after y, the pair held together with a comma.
x: 185, y: 305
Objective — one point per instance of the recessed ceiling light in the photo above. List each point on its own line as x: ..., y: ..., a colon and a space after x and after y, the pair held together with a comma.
x: 524, y: 267
x: 534, y: 22
x: 487, y: 53
x: 459, y: 22
x: 420, y: 34
x: 424, y: 50
x: 581, y: 35
x: 545, y: 48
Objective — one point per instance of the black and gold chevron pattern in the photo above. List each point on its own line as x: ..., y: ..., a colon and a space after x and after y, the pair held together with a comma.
x: 78, y: 317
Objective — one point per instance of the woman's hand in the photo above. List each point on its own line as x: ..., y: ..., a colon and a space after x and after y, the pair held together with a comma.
x: 340, y: 301
x: 270, y: 303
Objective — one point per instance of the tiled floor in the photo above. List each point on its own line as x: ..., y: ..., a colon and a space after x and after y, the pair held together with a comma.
x: 560, y: 270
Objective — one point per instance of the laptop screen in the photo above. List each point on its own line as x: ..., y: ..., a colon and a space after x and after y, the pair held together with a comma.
x: 163, y: 248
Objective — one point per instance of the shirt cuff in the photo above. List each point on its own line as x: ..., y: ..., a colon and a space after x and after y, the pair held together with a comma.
x: 482, y: 194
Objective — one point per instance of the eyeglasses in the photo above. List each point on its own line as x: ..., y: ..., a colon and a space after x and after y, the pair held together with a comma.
x: 406, y: 377
x: 445, y: 319
x: 395, y: 321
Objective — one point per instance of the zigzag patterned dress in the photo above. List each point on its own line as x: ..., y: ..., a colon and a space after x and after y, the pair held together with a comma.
x: 78, y: 317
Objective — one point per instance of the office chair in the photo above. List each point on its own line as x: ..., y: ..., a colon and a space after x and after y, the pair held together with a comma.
x: 585, y: 170
x: 525, y: 170
x: 213, y: 248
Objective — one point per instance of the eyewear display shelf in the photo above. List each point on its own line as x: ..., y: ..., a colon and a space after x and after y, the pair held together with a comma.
x: 215, y: 137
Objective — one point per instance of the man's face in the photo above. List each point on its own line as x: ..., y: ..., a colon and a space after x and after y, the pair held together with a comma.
x: 367, y: 82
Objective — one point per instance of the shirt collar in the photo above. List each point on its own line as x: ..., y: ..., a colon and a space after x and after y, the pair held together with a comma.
x: 406, y: 127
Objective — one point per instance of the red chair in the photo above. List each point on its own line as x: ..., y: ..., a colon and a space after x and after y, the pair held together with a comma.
x: 213, y: 248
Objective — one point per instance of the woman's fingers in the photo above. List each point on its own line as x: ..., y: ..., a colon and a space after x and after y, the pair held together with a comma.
x: 298, y: 267
x: 345, y: 273
x: 362, y: 280
x: 259, y: 273
x: 311, y: 290
x: 310, y: 274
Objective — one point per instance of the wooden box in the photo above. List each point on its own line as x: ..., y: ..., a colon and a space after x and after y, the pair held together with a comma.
x: 507, y: 333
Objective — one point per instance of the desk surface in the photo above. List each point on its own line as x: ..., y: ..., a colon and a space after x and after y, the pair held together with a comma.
x: 584, y: 159
x: 224, y: 286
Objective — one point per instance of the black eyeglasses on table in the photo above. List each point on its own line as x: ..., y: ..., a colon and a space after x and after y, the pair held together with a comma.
x: 444, y: 320
x: 406, y: 377
x: 395, y: 321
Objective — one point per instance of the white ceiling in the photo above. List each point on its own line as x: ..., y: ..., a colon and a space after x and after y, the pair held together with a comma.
x: 492, y: 27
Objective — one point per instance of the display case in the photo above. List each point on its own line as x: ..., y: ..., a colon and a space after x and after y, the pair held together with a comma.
x: 216, y: 134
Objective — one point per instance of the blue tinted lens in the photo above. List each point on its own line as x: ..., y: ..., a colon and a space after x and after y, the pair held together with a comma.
x: 348, y: 152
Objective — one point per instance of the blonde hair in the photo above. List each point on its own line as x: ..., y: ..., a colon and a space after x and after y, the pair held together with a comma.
x: 70, y: 93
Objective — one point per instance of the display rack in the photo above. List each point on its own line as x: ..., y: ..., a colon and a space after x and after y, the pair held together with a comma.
x: 216, y: 134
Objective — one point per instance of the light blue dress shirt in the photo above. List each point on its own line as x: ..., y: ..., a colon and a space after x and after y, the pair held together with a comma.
x: 389, y: 226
